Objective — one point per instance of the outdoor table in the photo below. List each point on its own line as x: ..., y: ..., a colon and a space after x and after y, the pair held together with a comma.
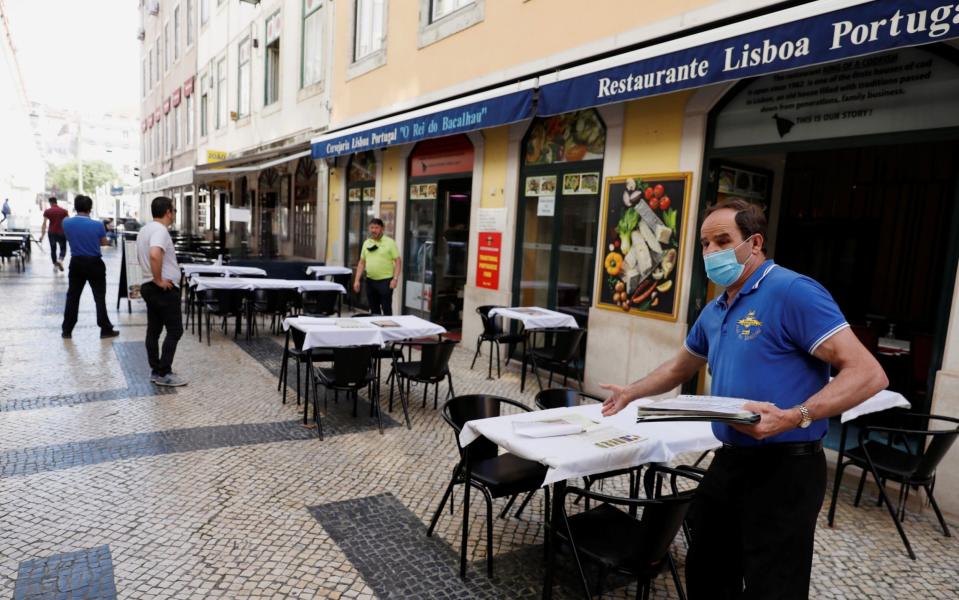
x: 319, y: 271
x: 884, y: 400
x: 225, y: 270
x: 322, y: 332
x: 533, y: 318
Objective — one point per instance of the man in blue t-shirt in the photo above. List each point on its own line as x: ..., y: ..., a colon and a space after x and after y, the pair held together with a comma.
x: 86, y: 266
x: 770, y: 338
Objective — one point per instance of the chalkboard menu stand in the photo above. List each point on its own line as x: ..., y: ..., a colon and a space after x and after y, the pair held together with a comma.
x: 123, y: 290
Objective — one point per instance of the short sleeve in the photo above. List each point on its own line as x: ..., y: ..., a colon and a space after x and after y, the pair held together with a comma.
x: 394, y: 251
x: 810, y: 315
x: 101, y: 230
x: 697, y: 343
x: 157, y: 239
x: 363, y: 252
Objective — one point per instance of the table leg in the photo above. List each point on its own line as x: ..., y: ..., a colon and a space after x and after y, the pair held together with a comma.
x: 556, y: 511
x: 838, y: 479
x: 522, y: 377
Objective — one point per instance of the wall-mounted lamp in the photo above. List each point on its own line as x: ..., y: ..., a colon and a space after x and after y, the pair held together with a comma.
x: 256, y: 43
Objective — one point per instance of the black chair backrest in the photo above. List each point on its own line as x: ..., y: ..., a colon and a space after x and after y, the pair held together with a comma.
x: 663, y: 516
x: 344, y: 279
x: 229, y: 302
x: 298, y: 336
x: 939, y: 444
x: 269, y: 300
x: 490, y: 326
x: 457, y: 411
x: 435, y: 358
x: 559, y: 398
x: 352, y: 366
x: 358, y: 315
x: 208, y: 297
x: 319, y: 302
x: 566, y: 343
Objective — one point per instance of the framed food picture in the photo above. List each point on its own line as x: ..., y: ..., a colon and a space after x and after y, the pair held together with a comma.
x: 644, y: 225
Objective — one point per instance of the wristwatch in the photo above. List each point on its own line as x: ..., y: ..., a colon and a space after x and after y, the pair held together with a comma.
x: 805, y: 421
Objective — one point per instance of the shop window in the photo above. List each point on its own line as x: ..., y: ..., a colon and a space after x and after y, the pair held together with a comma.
x: 243, y: 79
x: 442, y: 18
x: 360, y: 193
x: 559, y: 209
x: 176, y: 128
x: 304, y: 208
x: 369, y: 36
x: 311, y: 71
x: 272, y: 67
x: 204, y: 105
x: 143, y: 80
x: 176, y: 33
x: 204, y: 11
x: 188, y: 120
x: 221, y: 93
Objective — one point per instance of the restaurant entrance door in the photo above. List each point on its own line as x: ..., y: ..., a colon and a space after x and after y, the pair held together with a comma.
x: 437, y: 234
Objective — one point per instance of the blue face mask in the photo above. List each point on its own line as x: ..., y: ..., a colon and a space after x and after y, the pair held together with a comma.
x: 723, y: 268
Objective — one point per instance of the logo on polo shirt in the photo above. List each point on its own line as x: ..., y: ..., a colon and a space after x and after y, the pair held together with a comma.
x: 749, y: 326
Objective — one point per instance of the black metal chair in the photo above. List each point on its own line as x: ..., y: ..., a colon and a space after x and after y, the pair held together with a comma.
x: 560, y: 351
x: 271, y: 302
x: 494, y: 334
x: 887, y: 462
x: 12, y: 250
x: 301, y: 356
x: 320, y: 303
x: 224, y: 304
x: 346, y: 280
x: 566, y: 398
x: 431, y: 368
x: 621, y: 543
x: 483, y: 467
x: 352, y: 371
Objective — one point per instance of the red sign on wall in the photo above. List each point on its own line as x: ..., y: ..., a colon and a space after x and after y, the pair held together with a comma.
x: 487, y: 261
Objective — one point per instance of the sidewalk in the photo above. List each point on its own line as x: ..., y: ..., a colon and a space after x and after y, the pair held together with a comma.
x: 215, y: 490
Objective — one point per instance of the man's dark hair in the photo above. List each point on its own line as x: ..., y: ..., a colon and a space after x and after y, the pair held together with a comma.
x: 377, y: 221
x: 160, y: 206
x: 82, y: 204
x: 750, y: 218
x: 52, y: 200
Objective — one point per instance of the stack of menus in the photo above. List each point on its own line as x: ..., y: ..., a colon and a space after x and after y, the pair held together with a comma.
x: 697, y: 408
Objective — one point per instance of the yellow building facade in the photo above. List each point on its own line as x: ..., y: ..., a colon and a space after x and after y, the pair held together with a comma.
x: 561, y: 155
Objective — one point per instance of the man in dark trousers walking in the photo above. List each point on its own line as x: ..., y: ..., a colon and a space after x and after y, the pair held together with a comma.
x: 54, y: 216
x: 160, y: 274
x: 86, y: 266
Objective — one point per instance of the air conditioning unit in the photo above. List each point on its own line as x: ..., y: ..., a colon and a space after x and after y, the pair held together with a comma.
x: 141, y: 34
x: 153, y: 7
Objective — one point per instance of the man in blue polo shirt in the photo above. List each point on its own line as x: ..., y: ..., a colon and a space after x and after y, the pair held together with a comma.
x: 771, y: 338
x: 86, y: 266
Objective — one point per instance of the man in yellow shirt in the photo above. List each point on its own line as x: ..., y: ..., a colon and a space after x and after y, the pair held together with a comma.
x: 380, y: 259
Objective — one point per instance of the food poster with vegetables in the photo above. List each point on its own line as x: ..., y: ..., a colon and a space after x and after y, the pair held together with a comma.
x: 568, y: 137
x: 644, y: 225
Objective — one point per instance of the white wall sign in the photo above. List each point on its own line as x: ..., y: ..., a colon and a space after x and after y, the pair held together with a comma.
x: 491, y: 219
x: 242, y: 215
x: 546, y: 207
x: 904, y: 90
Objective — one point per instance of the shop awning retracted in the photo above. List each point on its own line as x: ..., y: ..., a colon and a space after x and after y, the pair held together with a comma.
x: 212, y: 170
x: 797, y: 37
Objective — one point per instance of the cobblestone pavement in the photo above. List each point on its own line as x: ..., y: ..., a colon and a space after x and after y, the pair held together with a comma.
x: 112, y: 488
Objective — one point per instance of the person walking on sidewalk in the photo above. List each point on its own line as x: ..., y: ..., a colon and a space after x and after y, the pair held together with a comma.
x: 54, y: 216
x: 157, y: 258
x: 86, y: 266
x: 5, y: 211
x: 380, y: 259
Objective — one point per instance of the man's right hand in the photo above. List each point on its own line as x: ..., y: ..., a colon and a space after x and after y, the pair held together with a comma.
x: 356, y: 287
x: 163, y: 284
x: 617, y: 401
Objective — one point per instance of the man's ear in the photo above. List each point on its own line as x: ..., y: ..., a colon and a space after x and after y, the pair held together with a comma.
x: 759, y: 240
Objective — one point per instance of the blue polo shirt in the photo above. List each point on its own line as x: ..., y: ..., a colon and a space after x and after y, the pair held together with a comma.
x: 84, y: 235
x: 760, y: 346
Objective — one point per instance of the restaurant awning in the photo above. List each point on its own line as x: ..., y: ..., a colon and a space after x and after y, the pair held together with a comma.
x: 506, y: 104
x: 178, y: 178
x: 212, y: 170
x: 796, y: 37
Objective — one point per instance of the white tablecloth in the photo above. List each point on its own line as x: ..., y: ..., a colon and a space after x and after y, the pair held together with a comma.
x: 573, y: 456
x: 246, y: 283
x: 537, y: 318
x: 227, y: 270
x: 326, y: 333
x: 325, y: 270
x: 884, y: 400
x: 322, y: 286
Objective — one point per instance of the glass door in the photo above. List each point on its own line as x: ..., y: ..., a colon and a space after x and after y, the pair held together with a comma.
x: 453, y: 217
x: 418, y: 263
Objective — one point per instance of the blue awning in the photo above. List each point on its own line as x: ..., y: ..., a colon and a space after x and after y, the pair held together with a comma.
x: 500, y: 106
x: 801, y: 36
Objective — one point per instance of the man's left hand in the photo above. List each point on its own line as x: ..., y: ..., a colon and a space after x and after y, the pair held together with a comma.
x: 393, y: 283
x: 772, y: 420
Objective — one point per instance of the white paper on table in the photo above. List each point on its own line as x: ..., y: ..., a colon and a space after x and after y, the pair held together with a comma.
x: 568, y: 424
x: 884, y: 400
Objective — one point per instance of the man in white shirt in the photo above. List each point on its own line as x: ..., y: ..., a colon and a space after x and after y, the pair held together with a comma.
x: 157, y: 258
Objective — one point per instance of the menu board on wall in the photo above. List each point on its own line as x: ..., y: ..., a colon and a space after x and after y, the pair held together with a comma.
x: 644, y: 219
x: 423, y: 191
x: 904, y: 90
x: 388, y: 215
